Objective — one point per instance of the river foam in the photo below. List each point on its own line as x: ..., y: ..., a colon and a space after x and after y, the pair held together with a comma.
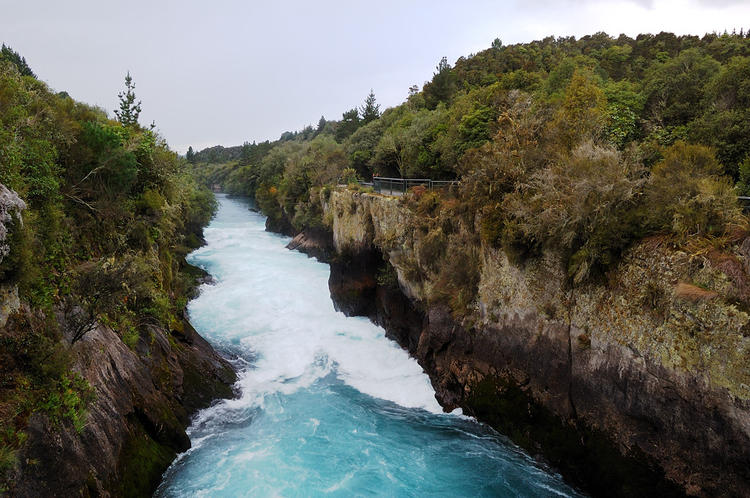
x: 327, y: 404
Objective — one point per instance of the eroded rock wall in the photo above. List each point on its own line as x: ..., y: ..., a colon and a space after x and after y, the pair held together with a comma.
x: 135, y: 425
x: 142, y: 397
x: 11, y: 208
x: 636, y: 384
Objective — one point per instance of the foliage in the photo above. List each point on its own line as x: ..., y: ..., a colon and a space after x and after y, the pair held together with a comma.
x: 457, y: 282
x: 68, y: 400
x: 442, y: 86
x: 129, y: 109
x: 349, y: 123
x: 10, y: 55
x: 725, y: 122
x: 575, y: 146
x: 580, y: 204
x: 111, y: 214
x: 743, y: 185
x: 688, y: 197
x: 370, y: 111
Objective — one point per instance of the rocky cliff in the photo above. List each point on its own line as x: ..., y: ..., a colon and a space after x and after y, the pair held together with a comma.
x: 135, y: 424
x: 11, y: 208
x: 139, y: 397
x: 636, y: 384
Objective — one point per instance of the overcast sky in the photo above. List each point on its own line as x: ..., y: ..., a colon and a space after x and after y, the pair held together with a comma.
x: 226, y: 71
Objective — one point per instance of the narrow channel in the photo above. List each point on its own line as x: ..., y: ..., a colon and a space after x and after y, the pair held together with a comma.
x: 328, y: 406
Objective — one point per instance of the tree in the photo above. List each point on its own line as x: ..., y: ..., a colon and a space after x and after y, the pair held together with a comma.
x: 583, y: 111
x: 725, y: 123
x: 349, y: 123
x: 676, y: 88
x: 246, y: 154
x: 129, y: 110
x: 7, y: 53
x: 442, y: 86
x: 190, y: 155
x: 370, y: 111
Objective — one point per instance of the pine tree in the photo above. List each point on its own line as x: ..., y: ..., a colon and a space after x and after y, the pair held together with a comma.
x: 15, y: 58
x: 129, y: 110
x: 349, y: 123
x: 442, y: 86
x: 370, y: 111
x: 190, y: 154
x: 246, y: 154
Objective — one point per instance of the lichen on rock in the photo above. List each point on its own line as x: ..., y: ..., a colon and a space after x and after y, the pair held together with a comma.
x: 637, y: 380
x: 11, y: 207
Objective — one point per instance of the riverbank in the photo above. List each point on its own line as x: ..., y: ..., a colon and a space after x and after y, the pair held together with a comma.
x: 116, y: 418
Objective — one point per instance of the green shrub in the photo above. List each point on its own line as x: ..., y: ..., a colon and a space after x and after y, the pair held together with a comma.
x: 581, y: 206
x: 151, y: 202
x: 349, y: 176
x: 8, y: 459
x: 688, y: 197
x: 68, y: 400
x: 457, y: 283
x: 432, y: 248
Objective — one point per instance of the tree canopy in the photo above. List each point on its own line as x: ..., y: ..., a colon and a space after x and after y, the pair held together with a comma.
x: 579, y: 145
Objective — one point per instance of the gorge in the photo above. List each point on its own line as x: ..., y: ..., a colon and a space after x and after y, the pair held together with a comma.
x: 327, y: 404
x: 555, y: 301
x: 605, y: 385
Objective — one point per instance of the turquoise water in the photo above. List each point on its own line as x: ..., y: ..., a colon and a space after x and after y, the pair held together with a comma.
x: 328, y: 406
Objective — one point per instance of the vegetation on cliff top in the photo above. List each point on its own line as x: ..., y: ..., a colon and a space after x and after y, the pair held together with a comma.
x: 577, y: 146
x: 111, y: 214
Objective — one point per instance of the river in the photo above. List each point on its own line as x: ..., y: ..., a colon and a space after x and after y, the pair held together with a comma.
x: 328, y: 406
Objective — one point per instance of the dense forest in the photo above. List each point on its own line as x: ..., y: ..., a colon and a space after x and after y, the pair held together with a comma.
x: 580, y: 146
x: 110, y: 214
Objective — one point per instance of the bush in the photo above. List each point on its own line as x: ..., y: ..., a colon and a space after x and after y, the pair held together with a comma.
x: 432, y: 248
x: 688, y: 197
x: 68, y: 400
x: 349, y: 176
x: 457, y: 283
x: 582, y: 205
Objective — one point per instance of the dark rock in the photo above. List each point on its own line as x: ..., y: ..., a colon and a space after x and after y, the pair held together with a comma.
x: 136, y: 423
x: 518, y: 378
x: 280, y: 225
x: 315, y: 243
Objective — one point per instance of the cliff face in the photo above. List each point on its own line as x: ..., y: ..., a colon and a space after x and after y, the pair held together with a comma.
x: 11, y: 208
x: 141, y: 400
x: 135, y: 424
x: 634, y: 385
